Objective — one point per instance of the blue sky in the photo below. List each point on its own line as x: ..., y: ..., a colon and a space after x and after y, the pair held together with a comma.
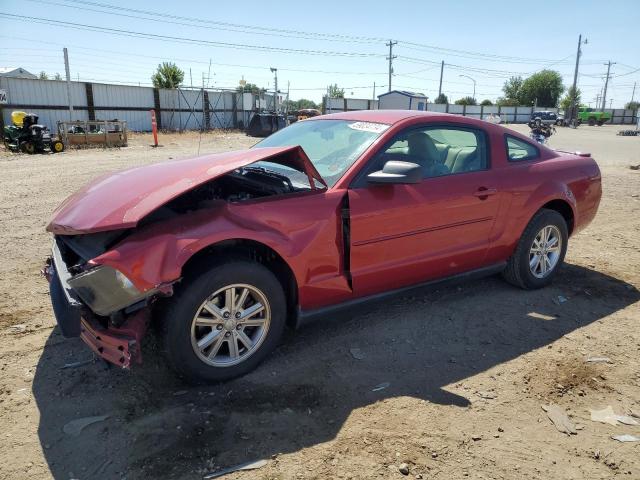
x: 337, y: 42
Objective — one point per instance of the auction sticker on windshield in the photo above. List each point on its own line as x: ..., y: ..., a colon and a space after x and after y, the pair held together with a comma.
x: 369, y: 127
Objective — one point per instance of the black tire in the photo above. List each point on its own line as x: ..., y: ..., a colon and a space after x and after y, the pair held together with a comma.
x: 28, y: 147
x: 517, y: 271
x: 189, y: 297
x: 600, y: 123
x: 592, y: 122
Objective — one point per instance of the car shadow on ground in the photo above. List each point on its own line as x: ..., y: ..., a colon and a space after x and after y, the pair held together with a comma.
x: 417, y: 343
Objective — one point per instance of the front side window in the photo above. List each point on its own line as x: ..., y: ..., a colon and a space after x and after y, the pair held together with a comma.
x: 438, y: 150
x: 331, y: 145
x: 519, y: 150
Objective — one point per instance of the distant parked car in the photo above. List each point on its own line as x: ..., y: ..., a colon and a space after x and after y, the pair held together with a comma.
x: 222, y: 251
x: 546, y: 118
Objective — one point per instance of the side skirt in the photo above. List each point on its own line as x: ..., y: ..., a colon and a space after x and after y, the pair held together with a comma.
x: 306, y: 317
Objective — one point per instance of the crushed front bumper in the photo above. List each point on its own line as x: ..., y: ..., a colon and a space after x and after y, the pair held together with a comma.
x: 117, y: 345
x: 120, y: 345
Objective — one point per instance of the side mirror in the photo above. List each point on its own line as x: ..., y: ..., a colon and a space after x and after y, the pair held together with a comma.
x: 395, y: 171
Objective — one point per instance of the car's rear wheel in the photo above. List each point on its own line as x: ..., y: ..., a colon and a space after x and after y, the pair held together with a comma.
x: 600, y: 123
x: 540, y: 251
x: 224, y: 321
x: 592, y: 122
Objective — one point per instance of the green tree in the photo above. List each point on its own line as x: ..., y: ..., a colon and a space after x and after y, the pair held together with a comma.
x: 632, y: 105
x: 543, y: 88
x: 43, y: 75
x: 305, y: 103
x: 466, y: 101
x: 293, y: 105
x: 569, y: 99
x: 511, y: 89
x: 335, y: 91
x: 168, y: 75
x: 507, y: 102
x: 486, y: 103
x: 57, y: 77
x: 250, y: 88
x: 441, y: 99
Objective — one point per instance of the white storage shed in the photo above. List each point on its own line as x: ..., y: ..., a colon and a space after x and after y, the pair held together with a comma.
x: 402, y: 100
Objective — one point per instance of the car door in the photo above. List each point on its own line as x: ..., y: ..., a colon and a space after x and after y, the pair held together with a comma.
x: 402, y: 234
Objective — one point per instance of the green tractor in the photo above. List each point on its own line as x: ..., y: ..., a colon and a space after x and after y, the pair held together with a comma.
x: 26, y: 135
x: 592, y: 116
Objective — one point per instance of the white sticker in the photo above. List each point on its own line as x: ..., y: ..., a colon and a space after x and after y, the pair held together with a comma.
x: 369, y: 127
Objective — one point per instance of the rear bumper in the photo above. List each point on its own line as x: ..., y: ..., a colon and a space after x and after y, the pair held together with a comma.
x: 117, y: 345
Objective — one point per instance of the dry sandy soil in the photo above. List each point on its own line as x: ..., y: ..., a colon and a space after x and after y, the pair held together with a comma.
x: 467, y: 367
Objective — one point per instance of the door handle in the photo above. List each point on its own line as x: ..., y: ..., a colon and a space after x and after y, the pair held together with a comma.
x: 484, y: 192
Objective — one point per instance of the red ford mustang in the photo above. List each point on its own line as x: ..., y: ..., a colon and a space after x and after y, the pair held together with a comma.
x: 226, y: 250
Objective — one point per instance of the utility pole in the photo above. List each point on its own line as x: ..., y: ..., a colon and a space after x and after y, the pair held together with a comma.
x: 68, y: 75
x: 633, y: 93
x: 390, y: 58
x: 574, y: 107
x: 275, y: 97
x: 441, y: 71
x: 286, y: 105
x: 610, y: 103
x: 374, y: 95
x: 606, y: 84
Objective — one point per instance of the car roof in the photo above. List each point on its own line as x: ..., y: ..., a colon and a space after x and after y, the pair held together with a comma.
x: 381, y: 116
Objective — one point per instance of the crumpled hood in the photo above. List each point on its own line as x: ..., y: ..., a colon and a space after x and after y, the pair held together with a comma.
x: 120, y: 200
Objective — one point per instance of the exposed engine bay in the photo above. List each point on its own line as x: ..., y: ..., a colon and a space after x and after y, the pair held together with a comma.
x: 243, y: 184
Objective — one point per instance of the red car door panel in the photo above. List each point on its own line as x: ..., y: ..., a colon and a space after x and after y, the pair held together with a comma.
x: 406, y: 234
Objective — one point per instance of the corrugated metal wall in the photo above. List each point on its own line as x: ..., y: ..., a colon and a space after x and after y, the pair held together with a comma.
x: 179, y: 109
x: 183, y: 109
x: 123, y: 95
x: 30, y: 95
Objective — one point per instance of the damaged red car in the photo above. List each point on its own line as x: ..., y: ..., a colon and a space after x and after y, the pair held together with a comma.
x: 224, y: 251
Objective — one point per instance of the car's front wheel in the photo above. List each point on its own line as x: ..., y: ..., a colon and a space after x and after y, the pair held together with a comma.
x: 540, y: 251
x: 224, y: 321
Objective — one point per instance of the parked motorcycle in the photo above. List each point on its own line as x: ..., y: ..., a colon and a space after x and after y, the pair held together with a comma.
x: 540, y: 132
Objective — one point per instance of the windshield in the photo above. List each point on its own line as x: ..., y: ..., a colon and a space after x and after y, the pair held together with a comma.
x: 331, y: 145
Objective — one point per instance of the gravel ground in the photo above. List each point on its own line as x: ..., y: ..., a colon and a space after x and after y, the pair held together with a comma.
x: 449, y: 383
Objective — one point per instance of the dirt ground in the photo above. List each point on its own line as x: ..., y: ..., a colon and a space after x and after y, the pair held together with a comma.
x: 450, y: 382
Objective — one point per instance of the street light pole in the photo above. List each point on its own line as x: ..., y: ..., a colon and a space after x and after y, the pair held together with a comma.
x: 474, y: 84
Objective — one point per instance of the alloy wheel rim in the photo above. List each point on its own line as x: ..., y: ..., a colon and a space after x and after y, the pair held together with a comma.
x: 230, y: 325
x: 545, y: 250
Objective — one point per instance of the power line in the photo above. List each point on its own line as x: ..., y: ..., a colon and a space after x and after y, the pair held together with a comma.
x: 253, y: 29
x: 169, y: 38
x: 191, y: 22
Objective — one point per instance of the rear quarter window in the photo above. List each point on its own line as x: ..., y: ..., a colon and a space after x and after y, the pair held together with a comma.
x: 519, y: 150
